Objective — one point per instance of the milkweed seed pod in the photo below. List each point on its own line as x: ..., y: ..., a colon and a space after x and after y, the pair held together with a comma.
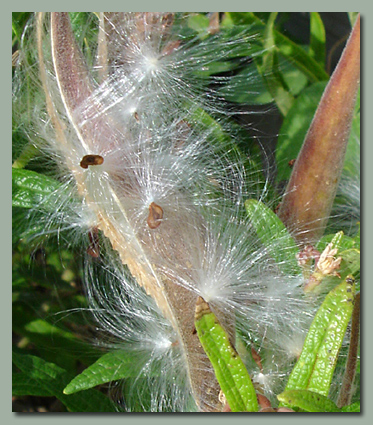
x: 156, y: 189
x: 137, y: 162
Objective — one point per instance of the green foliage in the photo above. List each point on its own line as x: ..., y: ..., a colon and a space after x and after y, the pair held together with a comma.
x: 310, y: 401
x: 317, y: 38
x: 295, y: 126
x: 115, y: 365
x: 274, y: 236
x: 310, y: 380
x: 229, y: 369
x: 285, y: 46
x: 29, y: 189
x: 50, y: 339
x: 38, y: 377
x: 315, y: 367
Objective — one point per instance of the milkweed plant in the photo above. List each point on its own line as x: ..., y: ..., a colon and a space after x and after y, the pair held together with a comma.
x: 169, y: 255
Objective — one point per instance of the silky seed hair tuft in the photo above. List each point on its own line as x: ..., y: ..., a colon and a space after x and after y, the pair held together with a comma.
x: 154, y: 186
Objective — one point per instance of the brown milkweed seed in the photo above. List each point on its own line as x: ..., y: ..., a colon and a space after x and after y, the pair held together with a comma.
x: 155, y: 215
x: 91, y: 160
x: 291, y: 163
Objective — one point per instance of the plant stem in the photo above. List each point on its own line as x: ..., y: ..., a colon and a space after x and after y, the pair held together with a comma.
x: 312, y: 187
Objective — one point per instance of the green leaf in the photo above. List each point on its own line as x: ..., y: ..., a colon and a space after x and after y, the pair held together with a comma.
x: 224, y: 146
x: 315, y: 367
x: 54, y: 343
x: 243, y: 41
x: 274, y: 236
x: 287, y: 48
x: 29, y: 151
x: 354, y: 407
x: 295, y: 127
x: 300, y: 58
x: 199, y: 23
x: 339, y: 241
x: 293, y: 78
x: 29, y: 189
x: 111, y: 366
x: 351, y: 258
x: 317, y: 38
x: 23, y: 384
x: 352, y: 17
x: 308, y: 401
x: 271, y: 73
x: 51, y: 380
x: 40, y: 331
x: 230, y: 371
x: 19, y: 20
x: 247, y: 87
x: 214, y: 68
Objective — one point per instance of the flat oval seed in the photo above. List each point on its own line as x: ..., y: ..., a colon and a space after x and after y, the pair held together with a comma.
x: 155, y: 215
x: 91, y: 160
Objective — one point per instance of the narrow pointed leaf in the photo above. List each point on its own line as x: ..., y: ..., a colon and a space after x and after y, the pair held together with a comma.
x: 111, y: 366
x: 339, y: 240
x: 23, y: 385
x: 274, y: 236
x: 271, y: 73
x: 287, y: 48
x: 52, y: 379
x: 317, y: 38
x: 29, y: 152
x: 314, y: 402
x: 29, y: 189
x: 230, y: 371
x: 308, y: 401
x: 315, y: 367
x: 351, y: 258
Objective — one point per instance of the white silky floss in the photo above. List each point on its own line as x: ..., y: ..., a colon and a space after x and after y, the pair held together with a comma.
x: 165, y: 199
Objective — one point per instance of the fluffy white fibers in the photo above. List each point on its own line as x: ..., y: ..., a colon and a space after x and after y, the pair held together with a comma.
x: 159, y: 187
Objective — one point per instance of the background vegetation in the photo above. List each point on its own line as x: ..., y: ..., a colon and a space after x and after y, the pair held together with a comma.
x: 52, y: 329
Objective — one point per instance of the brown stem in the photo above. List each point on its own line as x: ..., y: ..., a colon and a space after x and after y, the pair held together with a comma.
x: 148, y: 250
x: 311, y: 190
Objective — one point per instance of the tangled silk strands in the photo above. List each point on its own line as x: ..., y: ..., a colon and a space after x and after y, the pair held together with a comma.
x: 161, y: 198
